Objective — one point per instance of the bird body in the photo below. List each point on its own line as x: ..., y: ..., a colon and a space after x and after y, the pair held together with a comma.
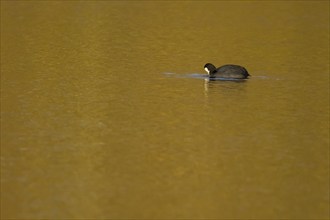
x: 229, y: 71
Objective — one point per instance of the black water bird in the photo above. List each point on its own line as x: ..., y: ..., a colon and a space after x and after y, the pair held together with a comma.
x: 227, y: 71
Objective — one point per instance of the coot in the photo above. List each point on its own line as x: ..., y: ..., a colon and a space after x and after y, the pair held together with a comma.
x: 226, y: 71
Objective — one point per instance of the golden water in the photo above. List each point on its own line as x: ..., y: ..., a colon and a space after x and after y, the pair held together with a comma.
x: 103, y: 117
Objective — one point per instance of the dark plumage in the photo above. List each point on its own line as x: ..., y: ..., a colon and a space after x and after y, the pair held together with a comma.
x: 226, y: 71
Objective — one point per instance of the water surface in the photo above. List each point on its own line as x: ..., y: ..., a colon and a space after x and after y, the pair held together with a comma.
x: 106, y: 113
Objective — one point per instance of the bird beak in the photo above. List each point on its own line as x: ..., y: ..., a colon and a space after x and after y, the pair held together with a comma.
x: 207, y: 70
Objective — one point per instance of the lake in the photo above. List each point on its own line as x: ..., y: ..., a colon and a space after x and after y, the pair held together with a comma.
x: 106, y: 112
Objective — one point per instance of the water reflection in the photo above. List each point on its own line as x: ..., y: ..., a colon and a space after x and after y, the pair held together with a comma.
x: 224, y: 85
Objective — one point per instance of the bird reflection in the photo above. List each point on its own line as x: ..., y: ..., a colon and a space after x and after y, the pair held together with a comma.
x: 223, y: 85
